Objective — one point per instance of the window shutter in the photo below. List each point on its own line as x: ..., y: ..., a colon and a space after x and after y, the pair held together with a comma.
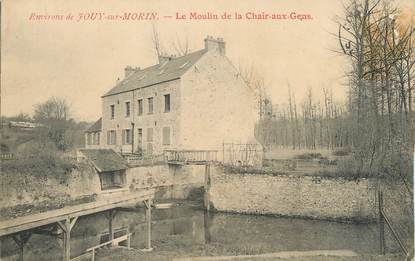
x: 166, y: 135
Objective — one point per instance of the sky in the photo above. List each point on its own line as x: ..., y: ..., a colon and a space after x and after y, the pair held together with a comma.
x: 81, y: 60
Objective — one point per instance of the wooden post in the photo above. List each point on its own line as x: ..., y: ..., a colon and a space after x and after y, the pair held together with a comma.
x: 381, y: 224
x: 67, y: 241
x: 206, y: 196
x: 206, y: 223
x: 148, y: 218
x: 66, y: 227
x: 21, y: 239
x: 110, y: 227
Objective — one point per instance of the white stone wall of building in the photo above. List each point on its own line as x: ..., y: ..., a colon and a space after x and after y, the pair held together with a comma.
x: 157, y: 120
x: 217, y: 105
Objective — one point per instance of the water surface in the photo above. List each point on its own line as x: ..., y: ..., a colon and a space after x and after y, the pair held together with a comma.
x: 186, y: 229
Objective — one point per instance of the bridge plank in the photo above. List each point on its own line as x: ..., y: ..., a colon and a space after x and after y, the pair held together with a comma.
x: 18, y: 224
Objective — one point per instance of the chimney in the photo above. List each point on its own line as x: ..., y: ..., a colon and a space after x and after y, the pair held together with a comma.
x: 218, y: 44
x: 163, y: 57
x: 130, y: 70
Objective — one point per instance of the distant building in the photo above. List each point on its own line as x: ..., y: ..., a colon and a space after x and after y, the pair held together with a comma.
x: 93, y: 135
x: 196, y: 101
x: 23, y: 124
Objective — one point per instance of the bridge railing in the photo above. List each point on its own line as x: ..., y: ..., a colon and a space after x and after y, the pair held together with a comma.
x: 6, y: 156
x: 190, y: 156
x: 90, y: 252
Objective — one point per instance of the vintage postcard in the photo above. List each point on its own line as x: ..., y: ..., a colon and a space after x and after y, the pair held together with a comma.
x: 207, y: 130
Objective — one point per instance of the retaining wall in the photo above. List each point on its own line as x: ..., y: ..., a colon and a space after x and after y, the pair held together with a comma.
x: 24, y: 188
x: 173, y: 181
x: 294, y: 196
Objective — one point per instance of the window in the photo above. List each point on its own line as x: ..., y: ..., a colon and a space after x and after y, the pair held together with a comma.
x: 150, y: 105
x: 140, y: 136
x: 112, y: 107
x: 149, y: 141
x: 127, y: 109
x: 88, y: 139
x: 113, y: 179
x: 167, y: 103
x: 166, y: 135
x: 126, y: 136
x: 149, y: 148
x: 97, y: 134
x: 111, y: 137
x: 149, y: 134
x: 140, y: 107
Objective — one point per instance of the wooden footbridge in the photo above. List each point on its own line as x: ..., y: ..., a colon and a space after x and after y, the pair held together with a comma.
x: 22, y: 228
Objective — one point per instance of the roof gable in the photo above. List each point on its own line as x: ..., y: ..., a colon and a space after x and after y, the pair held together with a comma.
x: 97, y: 126
x: 105, y: 159
x: 164, y: 72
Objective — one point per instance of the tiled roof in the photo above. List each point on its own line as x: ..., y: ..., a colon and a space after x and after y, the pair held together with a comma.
x: 97, y: 126
x: 105, y: 159
x: 158, y: 73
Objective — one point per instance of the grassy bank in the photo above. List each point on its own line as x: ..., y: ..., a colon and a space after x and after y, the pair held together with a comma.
x: 216, y: 250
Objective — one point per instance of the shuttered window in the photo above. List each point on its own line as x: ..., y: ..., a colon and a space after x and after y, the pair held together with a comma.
x: 167, y: 103
x: 166, y: 135
x: 150, y: 105
x: 140, y: 107
x: 126, y: 136
x: 112, y: 108
x: 111, y: 137
x: 150, y: 134
x: 127, y: 109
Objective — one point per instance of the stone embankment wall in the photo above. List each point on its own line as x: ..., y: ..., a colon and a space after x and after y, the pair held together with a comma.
x: 173, y: 181
x: 24, y: 188
x: 294, y: 196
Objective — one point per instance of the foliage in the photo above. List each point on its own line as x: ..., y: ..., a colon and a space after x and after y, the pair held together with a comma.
x: 20, y: 117
x: 375, y: 126
x: 309, y: 156
x: 41, y: 160
x: 342, y: 151
x: 379, y: 45
x: 54, y: 108
x: 64, y: 132
x: 348, y: 173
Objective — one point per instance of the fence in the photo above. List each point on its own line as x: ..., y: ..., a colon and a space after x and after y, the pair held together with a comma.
x: 6, y: 156
x: 395, y: 208
x: 242, y: 154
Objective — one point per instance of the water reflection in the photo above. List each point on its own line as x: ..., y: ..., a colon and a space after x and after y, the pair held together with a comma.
x: 186, y: 228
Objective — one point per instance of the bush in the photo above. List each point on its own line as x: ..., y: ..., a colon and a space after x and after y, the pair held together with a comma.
x: 342, y: 152
x: 309, y: 156
x: 41, y: 160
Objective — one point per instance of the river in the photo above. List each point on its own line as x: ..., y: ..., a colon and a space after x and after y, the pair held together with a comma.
x: 186, y: 230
